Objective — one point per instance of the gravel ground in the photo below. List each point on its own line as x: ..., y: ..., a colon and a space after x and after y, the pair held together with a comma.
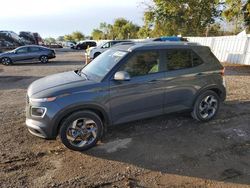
x: 167, y: 151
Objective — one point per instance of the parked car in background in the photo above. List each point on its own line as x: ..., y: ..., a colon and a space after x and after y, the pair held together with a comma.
x: 84, y: 45
x: 11, y: 37
x: 93, y: 52
x: 53, y: 45
x: 28, y: 37
x: 38, y: 38
x: 69, y: 44
x: 24, y: 53
x: 125, y: 83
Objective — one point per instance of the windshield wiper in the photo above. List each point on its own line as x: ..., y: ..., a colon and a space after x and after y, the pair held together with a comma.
x: 80, y: 73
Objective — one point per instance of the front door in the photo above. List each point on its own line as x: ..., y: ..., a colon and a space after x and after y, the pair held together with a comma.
x: 143, y: 95
x: 22, y: 54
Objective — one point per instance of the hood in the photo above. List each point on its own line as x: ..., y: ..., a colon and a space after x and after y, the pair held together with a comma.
x: 54, y: 81
x: 6, y: 53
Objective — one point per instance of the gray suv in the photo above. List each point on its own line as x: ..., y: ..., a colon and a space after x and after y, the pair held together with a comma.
x: 125, y: 83
x: 29, y: 52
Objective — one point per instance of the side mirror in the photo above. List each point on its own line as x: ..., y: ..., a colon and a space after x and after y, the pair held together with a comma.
x: 122, y: 76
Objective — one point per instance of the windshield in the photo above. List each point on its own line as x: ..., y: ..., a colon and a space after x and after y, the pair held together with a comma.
x: 102, y: 64
x: 99, y: 44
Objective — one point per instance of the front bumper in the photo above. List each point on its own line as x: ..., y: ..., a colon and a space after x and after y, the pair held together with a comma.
x: 44, y: 126
x: 37, y: 128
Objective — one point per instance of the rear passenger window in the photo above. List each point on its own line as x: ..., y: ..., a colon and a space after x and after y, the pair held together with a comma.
x: 34, y: 49
x: 181, y: 59
x: 178, y: 59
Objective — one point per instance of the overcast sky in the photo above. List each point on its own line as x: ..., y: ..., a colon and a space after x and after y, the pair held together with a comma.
x: 59, y: 17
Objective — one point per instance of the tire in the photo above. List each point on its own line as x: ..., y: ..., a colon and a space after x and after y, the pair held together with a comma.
x: 78, y: 48
x: 6, y: 61
x: 96, y: 54
x: 206, y: 106
x: 44, y: 59
x: 76, y: 129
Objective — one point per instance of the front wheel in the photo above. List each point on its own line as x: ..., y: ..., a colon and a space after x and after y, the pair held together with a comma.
x: 81, y: 130
x: 44, y: 59
x: 206, y: 106
x: 6, y: 61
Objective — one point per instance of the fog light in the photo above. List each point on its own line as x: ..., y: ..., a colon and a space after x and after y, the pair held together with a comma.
x: 38, y: 111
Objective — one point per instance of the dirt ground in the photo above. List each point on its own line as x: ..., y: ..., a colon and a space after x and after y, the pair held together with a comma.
x: 167, y: 151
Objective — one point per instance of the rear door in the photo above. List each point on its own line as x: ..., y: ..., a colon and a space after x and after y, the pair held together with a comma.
x: 143, y: 95
x: 35, y: 52
x: 182, y: 75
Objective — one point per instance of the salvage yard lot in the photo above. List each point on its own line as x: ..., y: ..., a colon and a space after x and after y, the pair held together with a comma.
x: 167, y: 151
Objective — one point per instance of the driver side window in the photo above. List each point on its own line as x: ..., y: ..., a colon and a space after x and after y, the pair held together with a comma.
x: 142, y: 63
x: 22, y: 50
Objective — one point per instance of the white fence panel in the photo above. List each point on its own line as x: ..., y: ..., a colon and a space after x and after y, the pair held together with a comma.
x: 232, y: 49
x: 247, y: 56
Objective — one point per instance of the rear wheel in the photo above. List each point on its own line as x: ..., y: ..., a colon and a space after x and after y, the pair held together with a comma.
x: 44, y: 59
x: 81, y: 130
x: 6, y: 61
x: 206, y: 106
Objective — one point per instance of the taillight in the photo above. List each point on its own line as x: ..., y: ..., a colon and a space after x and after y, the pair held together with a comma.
x: 222, y: 72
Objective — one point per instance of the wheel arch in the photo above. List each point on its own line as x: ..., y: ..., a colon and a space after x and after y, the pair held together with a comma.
x: 220, y: 91
x: 6, y: 57
x: 100, y: 111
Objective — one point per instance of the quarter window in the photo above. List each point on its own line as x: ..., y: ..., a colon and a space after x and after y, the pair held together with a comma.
x: 142, y: 63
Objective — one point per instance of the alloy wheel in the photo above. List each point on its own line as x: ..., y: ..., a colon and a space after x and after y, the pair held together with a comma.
x: 82, y: 132
x: 208, y: 107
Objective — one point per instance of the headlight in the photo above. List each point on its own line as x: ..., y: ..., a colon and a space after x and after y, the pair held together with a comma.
x: 38, y: 111
x: 49, y: 99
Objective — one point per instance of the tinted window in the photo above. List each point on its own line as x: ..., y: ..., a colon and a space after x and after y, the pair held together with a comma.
x: 142, y: 63
x: 22, y: 50
x: 34, y: 49
x: 196, y: 59
x: 178, y: 59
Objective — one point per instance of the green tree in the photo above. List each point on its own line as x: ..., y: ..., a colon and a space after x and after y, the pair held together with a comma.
x: 124, y: 29
x: 233, y: 13
x: 121, y: 29
x: 50, y: 40
x: 186, y: 17
x: 246, y: 14
x: 77, y: 36
x: 68, y: 38
x: 97, y: 34
x: 60, y: 38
